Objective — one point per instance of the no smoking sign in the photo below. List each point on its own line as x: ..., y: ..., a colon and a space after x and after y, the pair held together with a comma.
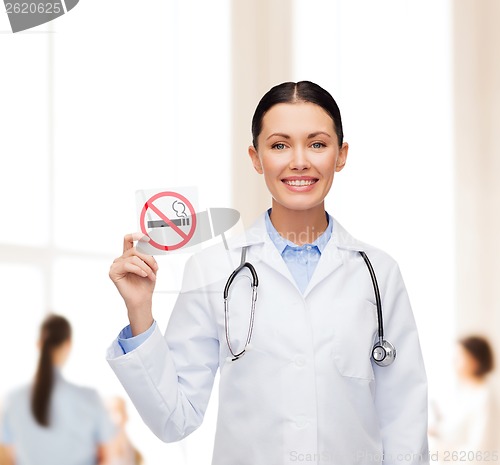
x: 168, y: 218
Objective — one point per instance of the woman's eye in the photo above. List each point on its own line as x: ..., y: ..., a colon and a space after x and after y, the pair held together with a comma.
x: 279, y: 146
x: 318, y: 145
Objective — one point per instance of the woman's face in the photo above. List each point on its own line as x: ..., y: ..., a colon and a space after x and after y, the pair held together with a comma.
x: 298, y: 153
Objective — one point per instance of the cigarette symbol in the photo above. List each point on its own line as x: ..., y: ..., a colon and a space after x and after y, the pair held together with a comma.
x: 163, y: 224
x: 182, y: 220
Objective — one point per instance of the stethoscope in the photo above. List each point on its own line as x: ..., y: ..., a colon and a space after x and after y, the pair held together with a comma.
x: 383, y: 352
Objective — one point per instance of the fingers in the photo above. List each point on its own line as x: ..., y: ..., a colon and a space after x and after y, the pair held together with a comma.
x: 133, y: 264
x: 138, y: 267
x: 128, y: 240
x: 148, y: 259
x: 132, y: 261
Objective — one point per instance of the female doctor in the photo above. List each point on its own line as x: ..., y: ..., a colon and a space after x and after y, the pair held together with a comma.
x: 306, y: 388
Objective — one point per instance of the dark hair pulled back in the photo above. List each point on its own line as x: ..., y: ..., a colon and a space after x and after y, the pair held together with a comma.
x: 55, y: 331
x: 293, y: 92
x: 479, y: 348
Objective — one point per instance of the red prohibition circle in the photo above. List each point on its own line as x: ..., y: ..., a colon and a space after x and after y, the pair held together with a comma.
x: 186, y: 237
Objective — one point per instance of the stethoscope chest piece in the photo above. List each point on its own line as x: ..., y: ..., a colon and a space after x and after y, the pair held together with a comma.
x: 383, y: 353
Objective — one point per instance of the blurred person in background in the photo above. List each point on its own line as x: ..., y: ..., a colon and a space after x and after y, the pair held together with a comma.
x: 4, y: 458
x: 466, y: 427
x: 51, y: 421
x: 122, y: 451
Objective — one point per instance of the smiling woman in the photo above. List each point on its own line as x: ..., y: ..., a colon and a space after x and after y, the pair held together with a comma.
x: 317, y: 379
x: 297, y: 160
x: 298, y: 146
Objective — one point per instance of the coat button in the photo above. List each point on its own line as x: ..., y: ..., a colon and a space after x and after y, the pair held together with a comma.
x: 301, y: 421
x: 300, y: 360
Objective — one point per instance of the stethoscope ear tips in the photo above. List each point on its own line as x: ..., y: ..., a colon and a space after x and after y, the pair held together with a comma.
x: 384, y: 353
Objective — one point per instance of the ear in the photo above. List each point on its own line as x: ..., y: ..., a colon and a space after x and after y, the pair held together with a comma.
x: 342, y: 157
x: 255, y: 159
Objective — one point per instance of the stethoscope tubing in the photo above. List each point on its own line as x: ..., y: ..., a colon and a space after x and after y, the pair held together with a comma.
x: 377, y: 295
x: 384, y: 347
x: 255, y: 283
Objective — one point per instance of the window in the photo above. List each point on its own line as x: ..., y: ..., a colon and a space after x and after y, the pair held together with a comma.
x: 102, y: 102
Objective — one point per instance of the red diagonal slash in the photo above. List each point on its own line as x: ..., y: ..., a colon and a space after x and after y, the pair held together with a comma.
x: 167, y: 220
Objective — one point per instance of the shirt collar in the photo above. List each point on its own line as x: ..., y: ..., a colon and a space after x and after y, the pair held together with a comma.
x: 281, y: 243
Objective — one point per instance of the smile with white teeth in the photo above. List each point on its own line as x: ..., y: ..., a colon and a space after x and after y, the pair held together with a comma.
x: 301, y: 182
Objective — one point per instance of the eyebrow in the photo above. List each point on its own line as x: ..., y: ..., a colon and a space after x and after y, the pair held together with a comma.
x: 279, y: 134
x: 316, y: 134
x: 310, y: 136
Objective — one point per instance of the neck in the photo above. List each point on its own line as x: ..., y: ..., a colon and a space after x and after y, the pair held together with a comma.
x: 60, y: 355
x: 299, y: 226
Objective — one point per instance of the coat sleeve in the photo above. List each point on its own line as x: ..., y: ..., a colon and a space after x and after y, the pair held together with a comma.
x: 169, y: 379
x: 401, y: 388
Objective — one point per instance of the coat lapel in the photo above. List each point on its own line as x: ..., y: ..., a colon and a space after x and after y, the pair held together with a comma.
x: 331, y: 258
x: 329, y: 261
x: 261, y: 248
x: 269, y: 255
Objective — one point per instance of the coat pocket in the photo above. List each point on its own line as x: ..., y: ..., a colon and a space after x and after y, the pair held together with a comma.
x: 355, y: 331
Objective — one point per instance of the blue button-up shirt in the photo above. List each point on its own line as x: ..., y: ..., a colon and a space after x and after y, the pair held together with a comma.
x: 300, y: 259
x: 79, y: 423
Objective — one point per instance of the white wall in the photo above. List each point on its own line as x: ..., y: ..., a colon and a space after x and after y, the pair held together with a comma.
x: 393, y: 84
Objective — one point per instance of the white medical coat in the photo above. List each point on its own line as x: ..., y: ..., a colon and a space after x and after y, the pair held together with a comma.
x: 306, y: 391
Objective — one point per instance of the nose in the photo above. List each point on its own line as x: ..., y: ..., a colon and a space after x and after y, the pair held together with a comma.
x: 299, y: 160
